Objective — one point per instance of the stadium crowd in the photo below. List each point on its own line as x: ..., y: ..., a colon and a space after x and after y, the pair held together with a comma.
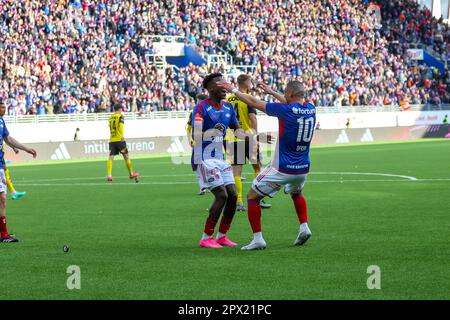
x: 406, y: 22
x: 67, y: 56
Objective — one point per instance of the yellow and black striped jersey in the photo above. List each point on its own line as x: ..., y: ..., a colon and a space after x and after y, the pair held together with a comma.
x: 116, y: 127
x: 242, y: 113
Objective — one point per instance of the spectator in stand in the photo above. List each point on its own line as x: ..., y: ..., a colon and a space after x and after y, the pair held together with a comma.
x: 76, y: 56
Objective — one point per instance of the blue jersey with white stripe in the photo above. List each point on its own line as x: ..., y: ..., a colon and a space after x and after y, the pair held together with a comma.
x: 214, y: 120
x: 296, y: 128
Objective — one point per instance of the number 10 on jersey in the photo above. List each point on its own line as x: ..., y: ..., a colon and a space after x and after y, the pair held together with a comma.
x: 305, y: 130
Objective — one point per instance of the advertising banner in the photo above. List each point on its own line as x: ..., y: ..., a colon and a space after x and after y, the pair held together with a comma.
x: 176, y: 146
x: 415, y: 54
x: 170, y: 49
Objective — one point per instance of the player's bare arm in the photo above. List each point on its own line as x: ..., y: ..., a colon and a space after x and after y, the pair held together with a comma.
x: 267, y: 89
x: 254, y: 102
x: 248, y: 99
x: 190, y: 139
x: 253, y: 122
x: 13, y: 143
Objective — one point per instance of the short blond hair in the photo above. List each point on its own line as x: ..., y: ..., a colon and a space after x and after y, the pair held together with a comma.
x: 243, y: 78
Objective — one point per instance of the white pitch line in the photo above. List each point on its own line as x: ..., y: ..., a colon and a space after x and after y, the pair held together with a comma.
x: 369, y: 174
x: 193, y: 175
x: 105, y: 184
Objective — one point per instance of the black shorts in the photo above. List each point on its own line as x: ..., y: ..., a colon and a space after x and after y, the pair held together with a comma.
x: 239, y: 152
x: 117, y: 147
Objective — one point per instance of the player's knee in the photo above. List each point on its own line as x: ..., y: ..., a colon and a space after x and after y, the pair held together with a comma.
x: 296, y: 194
x: 2, y: 200
x: 252, y: 195
x: 221, y: 195
x: 257, y: 167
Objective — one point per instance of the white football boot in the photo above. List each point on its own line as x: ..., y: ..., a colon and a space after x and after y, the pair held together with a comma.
x: 303, y: 235
x: 255, y: 245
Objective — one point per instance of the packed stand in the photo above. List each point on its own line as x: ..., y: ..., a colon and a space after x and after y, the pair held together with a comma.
x: 80, y: 56
x: 333, y: 46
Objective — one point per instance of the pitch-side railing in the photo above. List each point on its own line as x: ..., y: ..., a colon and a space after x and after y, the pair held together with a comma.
x: 184, y: 114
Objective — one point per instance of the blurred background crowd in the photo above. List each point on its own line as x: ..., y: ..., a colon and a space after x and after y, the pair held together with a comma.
x: 80, y: 56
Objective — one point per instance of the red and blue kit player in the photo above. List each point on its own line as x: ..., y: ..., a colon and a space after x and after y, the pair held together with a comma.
x: 211, y: 118
x: 5, y: 237
x: 291, y: 163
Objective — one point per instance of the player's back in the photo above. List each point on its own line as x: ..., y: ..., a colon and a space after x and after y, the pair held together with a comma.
x: 116, y: 127
x: 296, y: 129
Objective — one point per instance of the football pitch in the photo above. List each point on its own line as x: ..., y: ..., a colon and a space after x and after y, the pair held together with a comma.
x: 384, y: 205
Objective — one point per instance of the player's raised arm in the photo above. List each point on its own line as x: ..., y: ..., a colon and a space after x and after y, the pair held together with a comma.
x: 280, y: 97
x: 248, y: 99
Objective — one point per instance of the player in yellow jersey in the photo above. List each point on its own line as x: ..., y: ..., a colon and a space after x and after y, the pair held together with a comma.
x: 246, y: 116
x: 117, y: 143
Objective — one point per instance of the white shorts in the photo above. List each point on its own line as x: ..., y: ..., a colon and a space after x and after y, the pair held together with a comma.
x: 212, y: 173
x: 270, y: 181
x: 3, y: 187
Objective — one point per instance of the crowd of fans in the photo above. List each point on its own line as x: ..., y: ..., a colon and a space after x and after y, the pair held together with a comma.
x: 67, y: 56
x: 406, y: 22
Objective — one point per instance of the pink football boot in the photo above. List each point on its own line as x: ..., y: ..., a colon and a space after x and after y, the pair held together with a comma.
x: 224, y: 241
x: 210, y: 243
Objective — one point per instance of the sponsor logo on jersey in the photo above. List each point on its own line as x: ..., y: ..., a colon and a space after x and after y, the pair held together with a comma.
x: 220, y: 127
x: 233, y: 98
x: 296, y: 110
x: 292, y: 166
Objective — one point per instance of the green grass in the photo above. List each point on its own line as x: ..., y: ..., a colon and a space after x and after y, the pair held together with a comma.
x: 140, y: 241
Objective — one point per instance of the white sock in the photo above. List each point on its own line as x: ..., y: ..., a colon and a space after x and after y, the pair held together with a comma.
x: 205, y: 236
x: 304, y: 226
x: 257, y: 237
x: 220, y: 235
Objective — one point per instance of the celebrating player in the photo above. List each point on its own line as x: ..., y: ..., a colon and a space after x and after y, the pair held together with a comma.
x: 291, y: 162
x: 211, y: 118
x: 117, y: 143
x: 13, y: 143
x: 246, y: 116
